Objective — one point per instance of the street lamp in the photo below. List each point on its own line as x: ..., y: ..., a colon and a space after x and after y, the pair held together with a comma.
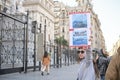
x: 34, y: 24
x: 61, y: 48
x: 50, y: 46
x: 45, y: 36
x: 26, y: 44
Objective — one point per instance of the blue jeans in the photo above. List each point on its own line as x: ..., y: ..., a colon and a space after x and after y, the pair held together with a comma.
x: 102, y: 77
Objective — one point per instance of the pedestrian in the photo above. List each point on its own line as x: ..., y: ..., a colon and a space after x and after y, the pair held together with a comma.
x: 45, y: 63
x: 86, y: 69
x: 113, y: 71
x: 102, y: 63
x: 95, y: 58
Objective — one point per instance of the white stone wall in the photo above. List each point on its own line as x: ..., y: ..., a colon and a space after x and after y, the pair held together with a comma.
x: 41, y: 11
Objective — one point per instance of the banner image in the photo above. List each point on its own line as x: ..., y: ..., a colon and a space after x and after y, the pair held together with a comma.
x: 79, y: 37
x: 79, y: 20
x: 79, y: 29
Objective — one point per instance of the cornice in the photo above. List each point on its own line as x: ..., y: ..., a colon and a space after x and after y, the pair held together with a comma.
x: 31, y: 3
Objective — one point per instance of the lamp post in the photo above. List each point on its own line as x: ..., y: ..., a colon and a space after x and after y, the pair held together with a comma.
x: 50, y: 46
x: 40, y: 61
x: 45, y: 36
x: 26, y: 44
x: 34, y: 24
x: 65, y: 56
x: 57, y: 56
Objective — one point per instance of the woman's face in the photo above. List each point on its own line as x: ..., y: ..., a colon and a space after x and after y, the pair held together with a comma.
x: 103, y: 51
x: 81, y: 54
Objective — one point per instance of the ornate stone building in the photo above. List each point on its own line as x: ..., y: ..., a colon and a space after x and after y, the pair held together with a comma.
x: 52, y: 19
x: 62, y: 21
x: 42, y: 12
x: 11, y: 6
x: 115, y: 47
x: 98, y: 40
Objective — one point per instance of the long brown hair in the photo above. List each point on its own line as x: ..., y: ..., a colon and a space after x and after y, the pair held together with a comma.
x: 96, y: 69
x: 45, y: 54
x: 95, y: 54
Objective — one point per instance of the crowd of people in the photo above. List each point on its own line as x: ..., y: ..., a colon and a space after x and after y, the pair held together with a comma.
x: 93, y: 64
x: 98, y: 65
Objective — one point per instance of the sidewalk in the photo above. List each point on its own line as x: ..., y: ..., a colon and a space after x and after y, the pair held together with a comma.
x: 64, y: 73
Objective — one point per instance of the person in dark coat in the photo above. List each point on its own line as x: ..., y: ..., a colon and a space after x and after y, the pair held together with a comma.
x: 102, y: 62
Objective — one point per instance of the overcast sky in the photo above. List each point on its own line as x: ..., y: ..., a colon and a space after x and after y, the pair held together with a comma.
x: 109, y: 15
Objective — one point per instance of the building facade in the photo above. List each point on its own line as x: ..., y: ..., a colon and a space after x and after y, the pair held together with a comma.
x: 97, y: 38
x: 52, y: 18
x: 13, y: 43
x: 115, y: 47
x: 11, y: 6
x: 62, y: 16
x: 61, y: 20
x: 42, y: 12
x: 16, y: 40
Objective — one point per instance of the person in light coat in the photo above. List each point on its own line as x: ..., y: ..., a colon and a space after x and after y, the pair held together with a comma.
x: 86, y: 68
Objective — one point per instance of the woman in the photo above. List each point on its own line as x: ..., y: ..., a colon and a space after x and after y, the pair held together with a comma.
x: 45, y: 63
x: 102, y: 63
x: 86, y: 68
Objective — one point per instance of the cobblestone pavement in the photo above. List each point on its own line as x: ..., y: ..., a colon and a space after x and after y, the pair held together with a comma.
x: 64, y: 73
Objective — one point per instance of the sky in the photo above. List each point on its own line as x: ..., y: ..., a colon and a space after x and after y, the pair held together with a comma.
x: 108, y: 12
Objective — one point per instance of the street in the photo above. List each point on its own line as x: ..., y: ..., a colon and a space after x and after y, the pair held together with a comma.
x: 64, y: 73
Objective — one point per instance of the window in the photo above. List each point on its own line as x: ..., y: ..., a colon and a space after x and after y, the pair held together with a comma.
x: 63, y: 30
x: 63, y: 14
x: 45, y: 21
x: 95, y: 42
x: 63, y: 22
x: 40, y: 18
